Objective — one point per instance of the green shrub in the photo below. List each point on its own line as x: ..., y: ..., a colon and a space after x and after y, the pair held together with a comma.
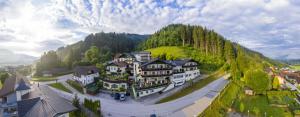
x: 94, y: 106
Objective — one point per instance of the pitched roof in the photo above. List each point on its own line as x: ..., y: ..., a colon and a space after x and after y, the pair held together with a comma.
x: 142, y: 52
x: 85, y: 70
x: 119, y: 55
x: 43, y: 102
x: 154, y: 61
x: 8, y: 86
x: 22, y: 85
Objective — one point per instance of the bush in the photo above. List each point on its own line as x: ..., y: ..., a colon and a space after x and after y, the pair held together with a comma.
x: 92, y: 105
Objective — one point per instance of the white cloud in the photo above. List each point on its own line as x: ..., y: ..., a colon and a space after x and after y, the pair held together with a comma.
x: 258, y: 24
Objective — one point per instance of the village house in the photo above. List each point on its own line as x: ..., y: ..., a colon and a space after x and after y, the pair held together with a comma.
x: 146, y: 75
x: 293, y: 77
x: 115, y: 68
x: 142, y: 56
x: 115, y: 83
x: 85, y: 74
x: 184, y: 70
x: 19, y: 99
x: 160, y: 75
x: 124, y: 57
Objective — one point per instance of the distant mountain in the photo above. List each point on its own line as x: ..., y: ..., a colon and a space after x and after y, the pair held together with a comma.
x: 291, y: 61
x: 9, y: 58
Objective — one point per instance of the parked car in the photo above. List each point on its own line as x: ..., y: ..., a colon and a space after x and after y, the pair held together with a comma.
x: 122, y: 97
x: 117, y: 96
x: 153, y: 115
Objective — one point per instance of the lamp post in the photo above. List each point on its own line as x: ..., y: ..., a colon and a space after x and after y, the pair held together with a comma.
x: 248, y: 113
x: 265, y: 114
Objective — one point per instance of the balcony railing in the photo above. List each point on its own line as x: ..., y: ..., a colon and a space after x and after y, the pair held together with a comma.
x: 156, y: 69
x: 155, y: 75
x: 190, y: 66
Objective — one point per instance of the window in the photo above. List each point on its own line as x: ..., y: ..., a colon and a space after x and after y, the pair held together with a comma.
x: 123, y: 86
x: 141, y: 92
x: 114, y: 86
x: 147, y: 91
x: 106, y: 84
x: 152, y: 90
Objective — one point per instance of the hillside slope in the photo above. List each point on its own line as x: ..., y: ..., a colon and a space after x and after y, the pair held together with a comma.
x: 207, y: 47
x: 72, y: 55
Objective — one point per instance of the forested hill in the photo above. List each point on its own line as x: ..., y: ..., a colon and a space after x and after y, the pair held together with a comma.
x: 107, y: 44
x: 209, y: 48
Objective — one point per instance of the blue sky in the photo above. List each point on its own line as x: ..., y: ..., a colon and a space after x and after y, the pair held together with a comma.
x: 31, y: 27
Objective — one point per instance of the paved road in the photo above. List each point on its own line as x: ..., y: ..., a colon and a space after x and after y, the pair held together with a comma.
x: 181, y: 107
x: 290, y: 85
x: 59, y: 79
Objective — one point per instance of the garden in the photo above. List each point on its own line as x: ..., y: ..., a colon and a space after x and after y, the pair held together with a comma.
x: 59, y: 86
x: 93, y: 106
x: 75, y: 85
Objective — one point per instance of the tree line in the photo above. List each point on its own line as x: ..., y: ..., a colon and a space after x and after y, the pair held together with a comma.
x: 105, y: 45
x: 210, y: 48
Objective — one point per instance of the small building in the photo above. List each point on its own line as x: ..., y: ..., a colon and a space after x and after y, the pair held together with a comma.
x: 116, y: 67
x: 85, y: 74
x: 115, y: 83
x: 249, y: 91
x: 142, y: 56
x: 47, y: 73
x: 55, y: 72
x: 184, y: 70
x: 19, y: 99
x: 124, y: 57
x: 43, y: 102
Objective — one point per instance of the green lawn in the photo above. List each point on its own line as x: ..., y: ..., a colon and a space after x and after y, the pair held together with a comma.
x: 208, y: 63
x: 60, y: 87
x: 43, y: 79
x: 171, y: 52
x: 296, y: 67
x: 258, y: 105
x: 193, y: 87
x: 75, y: 85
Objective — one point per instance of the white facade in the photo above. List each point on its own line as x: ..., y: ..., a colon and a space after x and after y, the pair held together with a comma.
x: 115, y: 69
x: 86, y: 79
x: 178, y: 79
x: 146, y: 92
x: 64, y: 115
x: 143, y: 56
x: 19, y: 94
x: 189, y: 75
x: 114, y: 86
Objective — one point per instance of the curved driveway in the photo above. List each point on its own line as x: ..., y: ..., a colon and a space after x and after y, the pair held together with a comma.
x: 177, y: 108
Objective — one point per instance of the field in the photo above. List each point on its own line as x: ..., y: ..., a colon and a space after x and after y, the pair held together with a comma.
x: 170, y: 52
x: 296, y: 67
x: 208, y: 63
x: 259, y: 106
x: 60, y: 87
x: 75, y: 85
x: 193, y: 87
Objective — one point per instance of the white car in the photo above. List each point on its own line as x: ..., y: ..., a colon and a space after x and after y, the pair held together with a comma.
x: 122, y: 97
